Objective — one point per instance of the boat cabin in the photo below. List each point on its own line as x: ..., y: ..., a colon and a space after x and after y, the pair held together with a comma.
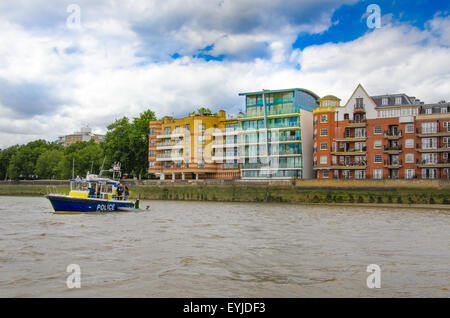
x: 94, y: 187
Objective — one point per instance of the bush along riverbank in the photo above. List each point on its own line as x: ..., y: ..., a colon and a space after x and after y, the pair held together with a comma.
x: 257, y: 193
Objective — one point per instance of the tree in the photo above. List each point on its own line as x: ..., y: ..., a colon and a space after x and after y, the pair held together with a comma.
x: 47, y: 164
x: 5, y: 158
x: 23, y: 162
x: 203, y: 111
x: 80, y: 158
x: 127, y: 142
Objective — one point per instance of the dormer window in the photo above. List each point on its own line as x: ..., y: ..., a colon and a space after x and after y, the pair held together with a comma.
x: 333, y: 103
x: 325, y: 103
x: 398, y: 101
x: 384, y: 101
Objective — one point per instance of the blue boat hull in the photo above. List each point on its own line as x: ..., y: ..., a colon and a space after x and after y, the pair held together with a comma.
x: 67, y: 204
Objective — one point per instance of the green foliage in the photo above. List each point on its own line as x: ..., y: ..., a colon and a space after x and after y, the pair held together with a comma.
x: 5, y: 158
x: 23, y: 162
x: 82, y: 157
x: 127, y: 142
x: 47, y: 164
x: 203, y: 111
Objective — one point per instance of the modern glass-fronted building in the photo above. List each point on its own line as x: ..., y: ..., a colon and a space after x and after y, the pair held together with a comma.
x: 275, y: 135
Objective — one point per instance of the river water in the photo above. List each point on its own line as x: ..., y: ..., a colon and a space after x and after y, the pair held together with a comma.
x: 209, y: 249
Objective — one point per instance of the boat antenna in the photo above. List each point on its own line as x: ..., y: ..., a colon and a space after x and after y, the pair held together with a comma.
x: 101, y: 169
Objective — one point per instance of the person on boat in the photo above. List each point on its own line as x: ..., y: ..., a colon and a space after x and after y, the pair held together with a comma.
x: 126, y: 193
x: 91, y: 192
x: 119, y: 191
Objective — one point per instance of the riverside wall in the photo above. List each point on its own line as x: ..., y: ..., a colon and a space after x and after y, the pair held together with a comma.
x: 391, y: 192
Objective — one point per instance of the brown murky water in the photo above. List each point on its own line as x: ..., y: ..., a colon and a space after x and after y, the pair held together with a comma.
x: 203, y: 249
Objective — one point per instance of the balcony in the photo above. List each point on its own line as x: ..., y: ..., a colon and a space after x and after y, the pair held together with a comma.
x: 226, y: 132
x: 439, y: 132
x: 230, y: 166
x: 393, y: 164
x: 357, y: 123
x: 350, y: 165
x: 391, y: 135
x: 435, y: 164
x: 393, y: 149
x: 443, y: 148
x: 359, y: 108
x: 175, y: 134
x: 169, y: 157
x: 349, y: 137
x: 349, y: 152
x: 169, y: 145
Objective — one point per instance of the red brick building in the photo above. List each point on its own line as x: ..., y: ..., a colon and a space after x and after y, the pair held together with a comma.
x: 381, y: 137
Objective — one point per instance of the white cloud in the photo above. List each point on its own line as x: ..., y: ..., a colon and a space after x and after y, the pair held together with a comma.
x: 99, y: 73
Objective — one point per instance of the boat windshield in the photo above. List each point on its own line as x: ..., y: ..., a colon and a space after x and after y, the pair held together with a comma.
x: 79, y: 186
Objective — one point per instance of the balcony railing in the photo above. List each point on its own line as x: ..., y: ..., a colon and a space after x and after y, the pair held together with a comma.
x: 393, y: 162
x: 230, y: 166
x: 398, y: 133
x: 393, y: 148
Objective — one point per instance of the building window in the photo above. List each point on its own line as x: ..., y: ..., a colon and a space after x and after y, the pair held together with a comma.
x: 201, y: 152
x: 377, y: 144
x: 359, y: 103
x: 325, y: 103
x: 323, y: 160
x: 409, y: 143
x: 152, y: 131
x: 409, y: 158
x: 151, y: 165
x: 377, y: 159
x: 323, y: 118
x: 409, y: 173
x: 323, y: 146
x: 186, y: 164
x: 325, y: 173
x: 167, y: 130
x: 324, y: 132
x: 428, y: 111
x: 201, y: 140
x: 152, y: 142
x: 378, y: 174
x: 409, y: 128
x: 444, y: 110
x: 447, y: 124
x: 398, y: 101
x: 201, y: 164
x: 377, y: 130
x: 429, y: 128
x: 360, y: 174
x: 429, y: 143
x: 152, y: 153
x: 201, y: 127
x: 384, y: 101
x: 188, y: 128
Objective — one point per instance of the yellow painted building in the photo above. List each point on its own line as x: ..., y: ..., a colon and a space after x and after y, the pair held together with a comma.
x: 186, y: 148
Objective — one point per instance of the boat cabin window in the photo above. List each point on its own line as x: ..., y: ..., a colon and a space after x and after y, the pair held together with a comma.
x: 80, y: 186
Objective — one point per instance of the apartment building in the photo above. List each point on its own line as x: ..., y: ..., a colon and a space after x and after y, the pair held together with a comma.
x: 275, y: 135
x: 85, y: 134
x: 271, y: 139
x: 433, y: 141
x: 380, y: 137
x: 185, y: 148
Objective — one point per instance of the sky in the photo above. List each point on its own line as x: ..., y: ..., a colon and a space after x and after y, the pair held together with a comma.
x: 68, y: 64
